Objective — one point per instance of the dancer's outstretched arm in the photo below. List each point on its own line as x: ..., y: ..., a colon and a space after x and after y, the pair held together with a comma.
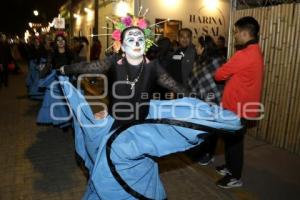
x: 95, y: 67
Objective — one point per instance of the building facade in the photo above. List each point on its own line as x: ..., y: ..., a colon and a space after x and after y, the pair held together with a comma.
x: 201, y: 16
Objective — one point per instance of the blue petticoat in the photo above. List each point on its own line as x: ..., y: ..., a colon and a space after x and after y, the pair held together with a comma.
x: 54, y: 109
x: 32, y: 81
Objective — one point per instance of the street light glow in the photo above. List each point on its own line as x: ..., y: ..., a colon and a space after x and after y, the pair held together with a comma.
x: 36, y: 13
x: 88, y: 10
x: 211, y: 4
x: 122, y: 8
x: 90, y: 14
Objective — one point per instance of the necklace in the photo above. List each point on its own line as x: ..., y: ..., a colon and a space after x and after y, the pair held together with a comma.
x: 135, y: 80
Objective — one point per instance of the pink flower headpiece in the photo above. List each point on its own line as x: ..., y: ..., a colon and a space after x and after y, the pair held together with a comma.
x: 131, y: 21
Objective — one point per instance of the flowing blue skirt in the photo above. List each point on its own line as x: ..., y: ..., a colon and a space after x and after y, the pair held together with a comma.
x: 32, y: 81
x: 119, y: 161
x: 54, y: 109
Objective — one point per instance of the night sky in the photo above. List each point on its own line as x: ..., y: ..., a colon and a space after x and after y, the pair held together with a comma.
x: 16, y: 14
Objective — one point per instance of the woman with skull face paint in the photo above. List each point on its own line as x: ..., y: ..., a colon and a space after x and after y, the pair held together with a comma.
x: 128, y: 102
x: 118, y: 148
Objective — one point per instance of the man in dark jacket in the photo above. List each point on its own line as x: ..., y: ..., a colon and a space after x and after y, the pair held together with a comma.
x: 182, y: 61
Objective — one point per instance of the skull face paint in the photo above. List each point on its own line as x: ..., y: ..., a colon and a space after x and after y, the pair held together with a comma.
x: 134, y: 43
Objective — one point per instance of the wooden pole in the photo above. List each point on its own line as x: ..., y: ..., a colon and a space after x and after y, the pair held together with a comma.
x: 287, y: 78
x: 291, y: 89
x: 270, y: 71
x: 278, y: 71
x: 257, y: 12
x: 264, y: 35
x: 296, y: 120
x: 231, y: 24
x: 274, y: 81
x: 96, y: 17
x: 267, y: 29
x: 264, y: 90
x: 267, y: 55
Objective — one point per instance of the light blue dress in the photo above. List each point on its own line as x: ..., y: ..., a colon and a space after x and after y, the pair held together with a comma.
x: 32, y: 80
x: 119, y: 161
x: 54, y: 109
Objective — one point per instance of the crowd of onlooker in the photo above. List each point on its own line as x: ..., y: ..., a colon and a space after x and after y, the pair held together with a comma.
x: 14, y: 50
x: 234, y: 84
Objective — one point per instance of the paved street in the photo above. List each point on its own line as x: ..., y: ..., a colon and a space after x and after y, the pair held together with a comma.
x: 38, y: 162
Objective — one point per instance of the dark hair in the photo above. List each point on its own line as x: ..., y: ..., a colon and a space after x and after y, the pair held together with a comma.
x: 129, y: 28
x: 95, y: 39
x: 60, y: 35
x: 55, y: 44
x: 189, y: 31
x: 83, y: 39
x: 249, y: 24
x: 210, y: 49
x: 222, y: 38
x: 75, y: 39
x: 164, y: 46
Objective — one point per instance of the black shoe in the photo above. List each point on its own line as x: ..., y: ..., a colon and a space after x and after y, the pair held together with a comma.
x: 206, y: 159
x: 222, y: 170
x: 229, y: 181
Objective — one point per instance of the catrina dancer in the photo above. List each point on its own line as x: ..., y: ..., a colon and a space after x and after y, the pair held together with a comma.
x: 118, y: 148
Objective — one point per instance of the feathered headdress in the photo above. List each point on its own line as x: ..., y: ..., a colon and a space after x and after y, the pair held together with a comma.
x: 120, y: 24
x: 129, y: 21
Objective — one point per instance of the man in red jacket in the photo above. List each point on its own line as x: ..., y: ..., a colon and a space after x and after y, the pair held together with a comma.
x: 243, y: 74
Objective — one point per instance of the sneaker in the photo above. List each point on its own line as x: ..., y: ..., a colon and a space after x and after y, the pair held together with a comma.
x: 229, y: 181
x: 206, y: 159
x: 222, y: 170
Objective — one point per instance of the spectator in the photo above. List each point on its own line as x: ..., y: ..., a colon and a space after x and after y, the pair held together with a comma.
x: 83, y: 53
x: 165, y: 51
x: 244, y: 74
x: 5, y: 59
x: 48, y: 44
x: 37, y: 50
x: 164, y: 55
x: 201, y: 80
x: 221, y: 45
x: 183, y: 58
x: 201, y: 83
x: 95, y: 49
x: 23, y: 47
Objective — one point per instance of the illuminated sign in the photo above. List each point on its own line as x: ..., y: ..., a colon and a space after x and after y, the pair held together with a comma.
x: 208, y: 22
x: 59, y: 23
